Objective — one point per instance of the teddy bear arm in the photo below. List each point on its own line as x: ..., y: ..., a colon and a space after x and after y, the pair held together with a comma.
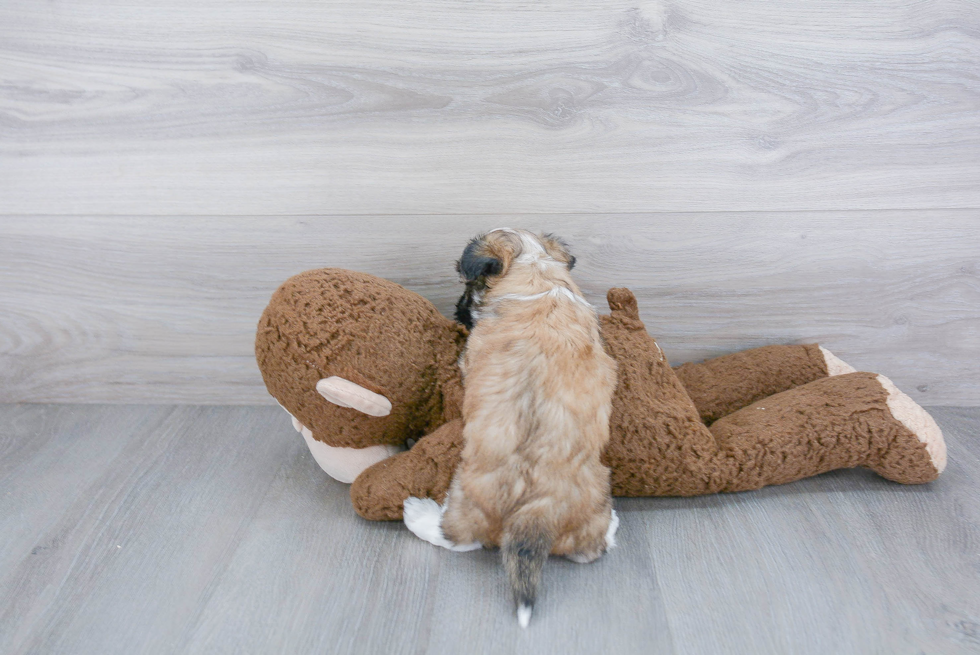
x: 425, y: 471
x: 726, y: 384
x: 846, y: 421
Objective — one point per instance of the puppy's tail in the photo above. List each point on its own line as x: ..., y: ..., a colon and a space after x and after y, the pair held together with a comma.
x: 525, y: 546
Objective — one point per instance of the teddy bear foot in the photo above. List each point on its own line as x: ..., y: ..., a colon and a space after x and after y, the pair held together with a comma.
x: 345, y: 464
x: 423, y: 517
x: 835, y: 365
x: 907, y: 412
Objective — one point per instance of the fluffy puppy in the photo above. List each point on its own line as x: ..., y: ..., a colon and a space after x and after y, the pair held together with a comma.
x: 538, y: 394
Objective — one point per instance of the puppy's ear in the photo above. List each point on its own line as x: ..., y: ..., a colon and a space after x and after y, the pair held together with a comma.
x: 476, y: 262
x: 558, y: 249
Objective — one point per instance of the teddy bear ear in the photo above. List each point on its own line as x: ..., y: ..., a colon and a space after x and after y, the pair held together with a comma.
x: 345, y: 393
x: 621, y: 299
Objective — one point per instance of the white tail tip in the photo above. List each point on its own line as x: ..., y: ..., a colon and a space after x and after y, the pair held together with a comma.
x: 523, y: 615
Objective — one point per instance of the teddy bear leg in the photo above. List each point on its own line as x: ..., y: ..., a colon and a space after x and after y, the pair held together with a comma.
x: 726, y: 384
x: 856, y: 419
x: 425, y: 471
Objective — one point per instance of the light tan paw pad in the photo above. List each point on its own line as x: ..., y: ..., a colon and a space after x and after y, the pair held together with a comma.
x: 910, y: 414
x: 835, y: 365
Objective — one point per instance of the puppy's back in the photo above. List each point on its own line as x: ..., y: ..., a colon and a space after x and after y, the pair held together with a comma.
x: 538, y: 391
x: 537, y: 402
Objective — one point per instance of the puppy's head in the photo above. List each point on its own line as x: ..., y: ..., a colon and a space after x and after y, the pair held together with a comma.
x: 490, y: 257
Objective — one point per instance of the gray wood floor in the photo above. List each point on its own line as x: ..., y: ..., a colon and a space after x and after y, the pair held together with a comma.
x: 179, y: 529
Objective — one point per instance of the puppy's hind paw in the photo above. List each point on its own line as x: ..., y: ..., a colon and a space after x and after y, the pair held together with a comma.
x: 584, y: 558
x: 610, y: 542
x: 423, y: 516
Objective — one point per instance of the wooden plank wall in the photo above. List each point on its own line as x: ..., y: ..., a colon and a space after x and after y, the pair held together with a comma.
x: 758, y: 172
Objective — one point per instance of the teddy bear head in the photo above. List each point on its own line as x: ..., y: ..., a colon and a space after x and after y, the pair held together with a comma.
x: 358, y: 360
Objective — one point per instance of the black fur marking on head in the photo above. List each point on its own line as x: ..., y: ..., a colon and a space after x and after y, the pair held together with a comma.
x: 463, y: 314
x: 571, y: 262
x: 473, y: 266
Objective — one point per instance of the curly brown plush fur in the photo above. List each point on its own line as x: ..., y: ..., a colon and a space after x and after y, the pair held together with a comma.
x: 774, y: 414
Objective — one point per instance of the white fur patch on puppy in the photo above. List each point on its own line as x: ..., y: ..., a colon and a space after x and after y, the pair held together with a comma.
x: 611, y: 532
x: 423, y: 516
x: 523, y: 615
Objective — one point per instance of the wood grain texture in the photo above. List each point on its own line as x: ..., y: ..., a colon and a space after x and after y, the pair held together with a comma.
x: 118, y: 527
x: 161, y: 529
x: 163, y: 309
x: 841, y: 563
x: 198, y: 107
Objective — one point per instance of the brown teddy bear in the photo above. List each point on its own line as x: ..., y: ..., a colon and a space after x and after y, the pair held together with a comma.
x: 367, y: 368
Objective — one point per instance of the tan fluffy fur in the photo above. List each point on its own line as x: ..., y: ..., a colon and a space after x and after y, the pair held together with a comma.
x: 538, y: 393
